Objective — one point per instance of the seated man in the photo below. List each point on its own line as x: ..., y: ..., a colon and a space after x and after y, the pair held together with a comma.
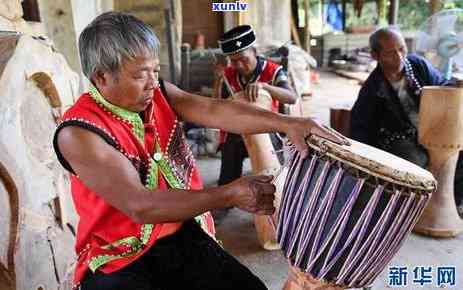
x: 385, y: 114
x: 247, y: 72
x: 134, y: 182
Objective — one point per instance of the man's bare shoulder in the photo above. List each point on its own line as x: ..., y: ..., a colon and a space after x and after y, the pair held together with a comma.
x: 75, y: 142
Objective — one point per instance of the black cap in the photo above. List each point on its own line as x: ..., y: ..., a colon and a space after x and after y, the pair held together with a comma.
x: 237, y: 39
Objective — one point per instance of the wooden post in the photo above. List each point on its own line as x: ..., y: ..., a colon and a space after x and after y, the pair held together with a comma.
x: 170, y: 45
x: 344, y: 16
x: 393, y: 12
x: 186, y: 66
x: 294, y: 33
x: 307, y: 25
x: 382, y: 17
x: 322, y: 13
x: 435, y: 6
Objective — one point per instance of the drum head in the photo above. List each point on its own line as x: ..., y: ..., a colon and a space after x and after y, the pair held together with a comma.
x: 376, y: 162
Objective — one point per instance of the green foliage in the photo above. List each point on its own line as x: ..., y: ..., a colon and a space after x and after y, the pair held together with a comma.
x: 369, y: 15
x: 412, y: 13
x: 453, y: 4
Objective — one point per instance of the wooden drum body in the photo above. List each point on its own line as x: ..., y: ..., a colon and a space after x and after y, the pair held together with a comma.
x: 441, y: 132
x: 263, y: 161
x: 345, y: 212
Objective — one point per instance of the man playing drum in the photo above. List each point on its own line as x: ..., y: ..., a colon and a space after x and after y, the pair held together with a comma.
x: 385, y: 114
x: 247, y: 72
x: 134, y: 182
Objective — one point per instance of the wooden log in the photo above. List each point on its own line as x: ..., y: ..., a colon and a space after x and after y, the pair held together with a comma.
x: 36, y: 240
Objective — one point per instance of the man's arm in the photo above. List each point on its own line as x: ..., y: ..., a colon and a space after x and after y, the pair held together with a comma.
x: 110, y: 174
x: 283, y: 94
x: 279, y: 89
x: 241, y: 118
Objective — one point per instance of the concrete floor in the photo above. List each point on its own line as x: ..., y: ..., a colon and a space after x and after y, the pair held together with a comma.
x: 239, y: 238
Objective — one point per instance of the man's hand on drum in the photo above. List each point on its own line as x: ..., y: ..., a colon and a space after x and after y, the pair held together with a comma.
x: 252, y: 91
x: 254, y: 194
x: 299, y: 129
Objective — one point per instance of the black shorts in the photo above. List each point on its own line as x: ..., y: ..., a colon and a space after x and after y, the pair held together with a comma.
x: 188, y: 259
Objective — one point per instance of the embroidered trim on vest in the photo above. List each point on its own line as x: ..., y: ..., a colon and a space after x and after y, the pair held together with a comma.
x: 170, y: 152
x: 122, y: 114
x: 134, y: 246
x: 181, y: 157
x: 158, y: 161
x: 132, y: 118
x: 103, y: 133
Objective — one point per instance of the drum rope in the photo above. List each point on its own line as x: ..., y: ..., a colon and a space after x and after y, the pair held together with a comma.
x: 289, y: 149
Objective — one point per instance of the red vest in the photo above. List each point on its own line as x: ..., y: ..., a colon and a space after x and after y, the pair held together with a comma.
x: 268, y: 74
x: 107, y: 239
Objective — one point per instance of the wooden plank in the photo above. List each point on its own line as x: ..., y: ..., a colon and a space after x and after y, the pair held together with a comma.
x: 294, y: 34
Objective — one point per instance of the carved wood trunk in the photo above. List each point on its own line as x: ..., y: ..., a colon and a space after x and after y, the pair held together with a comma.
x: 37, y: 219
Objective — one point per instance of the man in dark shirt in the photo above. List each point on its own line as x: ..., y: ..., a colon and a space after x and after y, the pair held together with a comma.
x: 385, y: 114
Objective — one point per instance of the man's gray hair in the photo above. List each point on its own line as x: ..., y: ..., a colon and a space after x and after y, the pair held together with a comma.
x: 375, y: 37
x: 112, y: 38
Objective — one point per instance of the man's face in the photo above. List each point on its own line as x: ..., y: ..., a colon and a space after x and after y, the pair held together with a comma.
x: 393, y: 50
x: 244, y: 62
x: 133, y: 86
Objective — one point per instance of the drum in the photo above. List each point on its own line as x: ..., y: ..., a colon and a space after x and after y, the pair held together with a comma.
x: 346, y: 210
x: 441, y: 132
x: 263, y: 161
